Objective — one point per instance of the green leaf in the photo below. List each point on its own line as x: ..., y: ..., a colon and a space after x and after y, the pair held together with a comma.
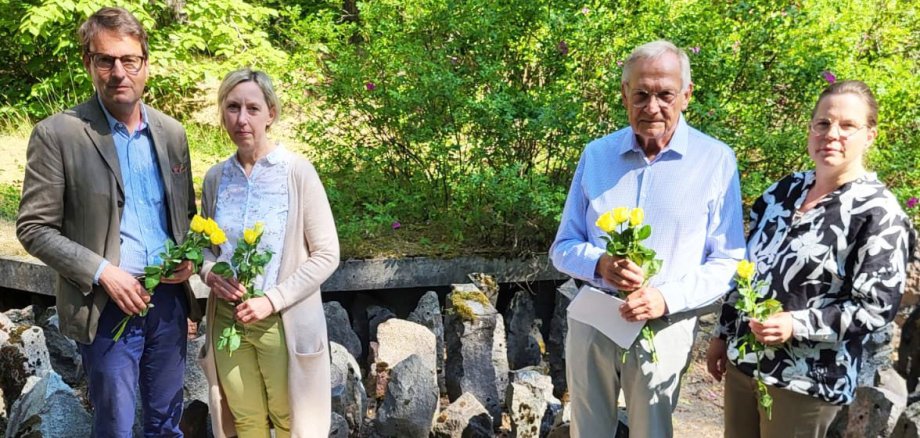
x: 645, y: 232
x: 151, y: 282
x: 234, y: 342
x: 223, y: 269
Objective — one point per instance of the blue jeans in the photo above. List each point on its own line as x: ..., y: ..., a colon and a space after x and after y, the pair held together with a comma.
x: 150, y: 355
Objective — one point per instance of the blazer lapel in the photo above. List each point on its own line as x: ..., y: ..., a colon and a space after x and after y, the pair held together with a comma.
x: 162, y: 149
x: 97, y: 128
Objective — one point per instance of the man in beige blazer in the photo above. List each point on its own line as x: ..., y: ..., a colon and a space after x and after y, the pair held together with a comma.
x: 106, y: 183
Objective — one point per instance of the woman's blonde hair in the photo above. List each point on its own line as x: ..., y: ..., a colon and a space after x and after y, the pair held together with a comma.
x: 261, y: 79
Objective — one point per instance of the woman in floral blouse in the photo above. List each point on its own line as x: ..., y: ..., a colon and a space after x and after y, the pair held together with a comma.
x: 831, y: 244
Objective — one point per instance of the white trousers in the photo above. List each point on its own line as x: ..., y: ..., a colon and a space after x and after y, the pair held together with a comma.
x: 596, y: 374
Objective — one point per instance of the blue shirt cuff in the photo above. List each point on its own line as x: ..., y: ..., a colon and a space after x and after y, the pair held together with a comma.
x: 99, y: 271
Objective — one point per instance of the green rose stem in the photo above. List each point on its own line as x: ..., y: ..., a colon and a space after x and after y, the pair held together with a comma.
x: 750, y: 306
x: 247, y: 263
x: 197, y: 238
x: 624, y: 237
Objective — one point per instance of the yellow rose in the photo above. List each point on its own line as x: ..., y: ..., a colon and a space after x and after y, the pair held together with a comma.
x: 210, y: 226
x: 259, y: 227
x: 250, y: 235
x: 636, y: 216
x: 606, y: 223
x: 218, y: 237
x: 746, y: 269
x: 620, y: 215
x: 197, y: 225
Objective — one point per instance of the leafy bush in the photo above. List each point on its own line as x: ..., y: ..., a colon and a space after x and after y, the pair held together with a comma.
x: 473, y: 113
x: 9, y: 201
x: 190, y: 42
x: 462, y: 121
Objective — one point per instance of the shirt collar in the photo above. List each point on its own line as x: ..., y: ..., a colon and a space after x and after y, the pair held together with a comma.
x: 114, y: 123
x: 678, y: 143
x: 274, y: 157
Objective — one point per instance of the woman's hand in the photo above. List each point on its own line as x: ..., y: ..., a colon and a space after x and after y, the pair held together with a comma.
x: 717, y: 358
x: 253, y: 310
x: 225, y: 289
x: 776, y: 330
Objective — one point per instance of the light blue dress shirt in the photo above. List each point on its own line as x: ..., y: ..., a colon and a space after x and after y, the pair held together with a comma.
x: 262, y: 196
x: 143, y: 219
x: 692, y: 199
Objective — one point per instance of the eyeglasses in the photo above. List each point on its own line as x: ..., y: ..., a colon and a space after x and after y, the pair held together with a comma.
x: 845, y: 128
x: 131, y: 63
x: 642, y: 98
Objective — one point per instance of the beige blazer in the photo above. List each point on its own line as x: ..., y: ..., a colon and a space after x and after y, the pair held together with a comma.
x: 73, y: 197
x: 310, y: 256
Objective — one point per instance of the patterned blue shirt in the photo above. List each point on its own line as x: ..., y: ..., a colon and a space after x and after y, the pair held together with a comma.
x: 143, y: 219
x: 262, y: 196
x: 692, y: 199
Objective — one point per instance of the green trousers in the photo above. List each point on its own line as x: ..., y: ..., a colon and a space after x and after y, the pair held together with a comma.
x: 254, y: 378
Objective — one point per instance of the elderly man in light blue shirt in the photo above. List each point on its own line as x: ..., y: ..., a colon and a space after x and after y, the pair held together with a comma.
x: 687, y: 184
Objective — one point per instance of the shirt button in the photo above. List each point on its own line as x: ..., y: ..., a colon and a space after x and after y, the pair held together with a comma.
x: 121, y: 204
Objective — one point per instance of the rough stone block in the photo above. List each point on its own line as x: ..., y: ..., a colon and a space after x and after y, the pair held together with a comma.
x: 25, y: 354
x: 558, y: 328
x: 411, y: 400
x: 48, y: 408
x: 464, y: 418
x: 477, y: 359
x: 908, y: 425
x: 531, y: 404
x: 428, y: 314
x: 525, y: 347
x: 349, y: 400
x: 339, y: 330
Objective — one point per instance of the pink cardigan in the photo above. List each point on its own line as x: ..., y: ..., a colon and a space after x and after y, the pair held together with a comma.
x: 310, y: 256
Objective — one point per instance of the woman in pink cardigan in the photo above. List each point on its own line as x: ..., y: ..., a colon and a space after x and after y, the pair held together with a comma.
x: 279, y: 377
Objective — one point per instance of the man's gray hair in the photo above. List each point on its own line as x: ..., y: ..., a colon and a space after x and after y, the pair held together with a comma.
x: 655, y: 50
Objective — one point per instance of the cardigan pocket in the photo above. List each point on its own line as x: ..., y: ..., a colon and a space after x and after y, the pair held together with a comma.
x: 305, y: 356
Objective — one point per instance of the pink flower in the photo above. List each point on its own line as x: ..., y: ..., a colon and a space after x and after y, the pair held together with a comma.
x: 395, y: 225
x: 563, y: 48
x: 585, y: 10
x: 912, y: 202
x: 828, y: 76
x: 619, y: 63
x: 695, y: 49
x: 370, y: 86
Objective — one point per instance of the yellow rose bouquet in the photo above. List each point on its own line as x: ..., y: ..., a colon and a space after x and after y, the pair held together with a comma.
x: 624, y: 235
x: 247, y: 263
x: 750, y: 306
x: 202, y: 233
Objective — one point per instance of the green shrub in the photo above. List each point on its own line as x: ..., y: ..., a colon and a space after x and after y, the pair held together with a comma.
x: 462, y: 121
x: 471, y: 114
x: 10, y: 194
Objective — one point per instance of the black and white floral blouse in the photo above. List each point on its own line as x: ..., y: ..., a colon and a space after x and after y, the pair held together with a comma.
x: 840, y: 270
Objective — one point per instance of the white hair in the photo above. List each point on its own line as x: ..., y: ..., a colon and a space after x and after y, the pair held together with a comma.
x: 655, y: 50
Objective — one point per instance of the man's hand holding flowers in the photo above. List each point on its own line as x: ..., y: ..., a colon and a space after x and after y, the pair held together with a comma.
x: 628, y: 265
x: 178, y: 263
